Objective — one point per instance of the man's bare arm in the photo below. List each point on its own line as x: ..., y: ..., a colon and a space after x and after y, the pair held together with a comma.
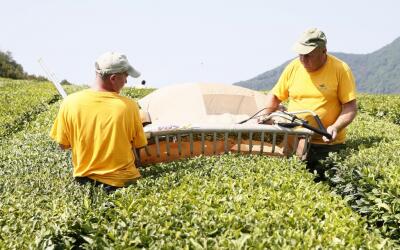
x: 272, y: 103
x: 349, y: 112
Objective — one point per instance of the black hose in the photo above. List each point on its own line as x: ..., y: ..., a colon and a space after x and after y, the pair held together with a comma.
x: 316, y: 130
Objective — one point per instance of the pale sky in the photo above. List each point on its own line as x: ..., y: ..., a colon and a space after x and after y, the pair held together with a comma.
x: 178, y: 41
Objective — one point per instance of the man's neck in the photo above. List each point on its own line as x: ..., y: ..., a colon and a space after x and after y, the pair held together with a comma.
x: 322, y: 63
x: 102, y: 87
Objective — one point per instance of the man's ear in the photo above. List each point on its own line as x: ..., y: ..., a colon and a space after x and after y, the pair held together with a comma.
x: 112, y: 77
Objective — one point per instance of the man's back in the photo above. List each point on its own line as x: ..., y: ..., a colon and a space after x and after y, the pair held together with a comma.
x: 101, y: 128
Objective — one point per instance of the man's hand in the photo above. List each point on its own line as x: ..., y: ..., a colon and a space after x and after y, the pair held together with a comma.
x: 332, y: 130
x: 281, y: 107
x: 349, y: 111
x: 262, y: 120
x: 272, y: 105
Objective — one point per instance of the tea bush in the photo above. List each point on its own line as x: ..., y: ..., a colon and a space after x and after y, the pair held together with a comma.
x: 385, y: 107
x: 206, y: 202
x: 367, y: 173
x: 20, y: 101
x: 136, y: 93
x: 227, y: 202
x: 23, y: 100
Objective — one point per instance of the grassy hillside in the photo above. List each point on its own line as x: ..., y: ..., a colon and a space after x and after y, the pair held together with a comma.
x: 227, y: 202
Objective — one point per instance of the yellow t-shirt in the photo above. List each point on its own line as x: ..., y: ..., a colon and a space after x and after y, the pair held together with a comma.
x: 323, y: 91
x: 101, y: 128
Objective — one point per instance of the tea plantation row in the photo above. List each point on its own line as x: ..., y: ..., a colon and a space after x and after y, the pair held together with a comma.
x: 206, y: 202
x: 225, y: 202
x: 367, y: 173
x: 386, y: 107
x: 22, y: 100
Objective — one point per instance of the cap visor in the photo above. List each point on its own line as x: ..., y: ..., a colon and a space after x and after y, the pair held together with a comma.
x: 133, y: 72
x: 302, y: 49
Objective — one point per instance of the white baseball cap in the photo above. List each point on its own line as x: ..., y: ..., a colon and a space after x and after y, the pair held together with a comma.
x: 114, y: 62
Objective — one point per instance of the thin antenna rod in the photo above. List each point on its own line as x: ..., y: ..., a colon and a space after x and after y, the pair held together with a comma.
x: 52, y: 78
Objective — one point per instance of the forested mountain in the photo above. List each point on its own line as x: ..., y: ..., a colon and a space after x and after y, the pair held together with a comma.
x: 376, y: 72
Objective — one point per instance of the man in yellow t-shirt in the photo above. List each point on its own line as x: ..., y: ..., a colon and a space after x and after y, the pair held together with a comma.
x: 322, y: 83
x: 101, y: 127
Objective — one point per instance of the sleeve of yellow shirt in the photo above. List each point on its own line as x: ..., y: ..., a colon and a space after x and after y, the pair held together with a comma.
x: 139, y: 137
x: 347, y: 86
x: 58, y: 130
x: 281, y: 89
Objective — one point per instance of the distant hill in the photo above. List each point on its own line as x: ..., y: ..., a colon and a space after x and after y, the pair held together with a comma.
x: 9, y: 68
x: 376, y: 72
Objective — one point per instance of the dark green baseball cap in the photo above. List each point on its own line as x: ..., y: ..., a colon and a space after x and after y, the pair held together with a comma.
x: 309, y: 40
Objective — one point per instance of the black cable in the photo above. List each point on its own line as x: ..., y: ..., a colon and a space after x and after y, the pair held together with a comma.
x: 300, y: 122
x: 251, y: 117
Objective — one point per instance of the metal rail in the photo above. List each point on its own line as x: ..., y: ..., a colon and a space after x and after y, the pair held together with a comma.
x: 220, y: 140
